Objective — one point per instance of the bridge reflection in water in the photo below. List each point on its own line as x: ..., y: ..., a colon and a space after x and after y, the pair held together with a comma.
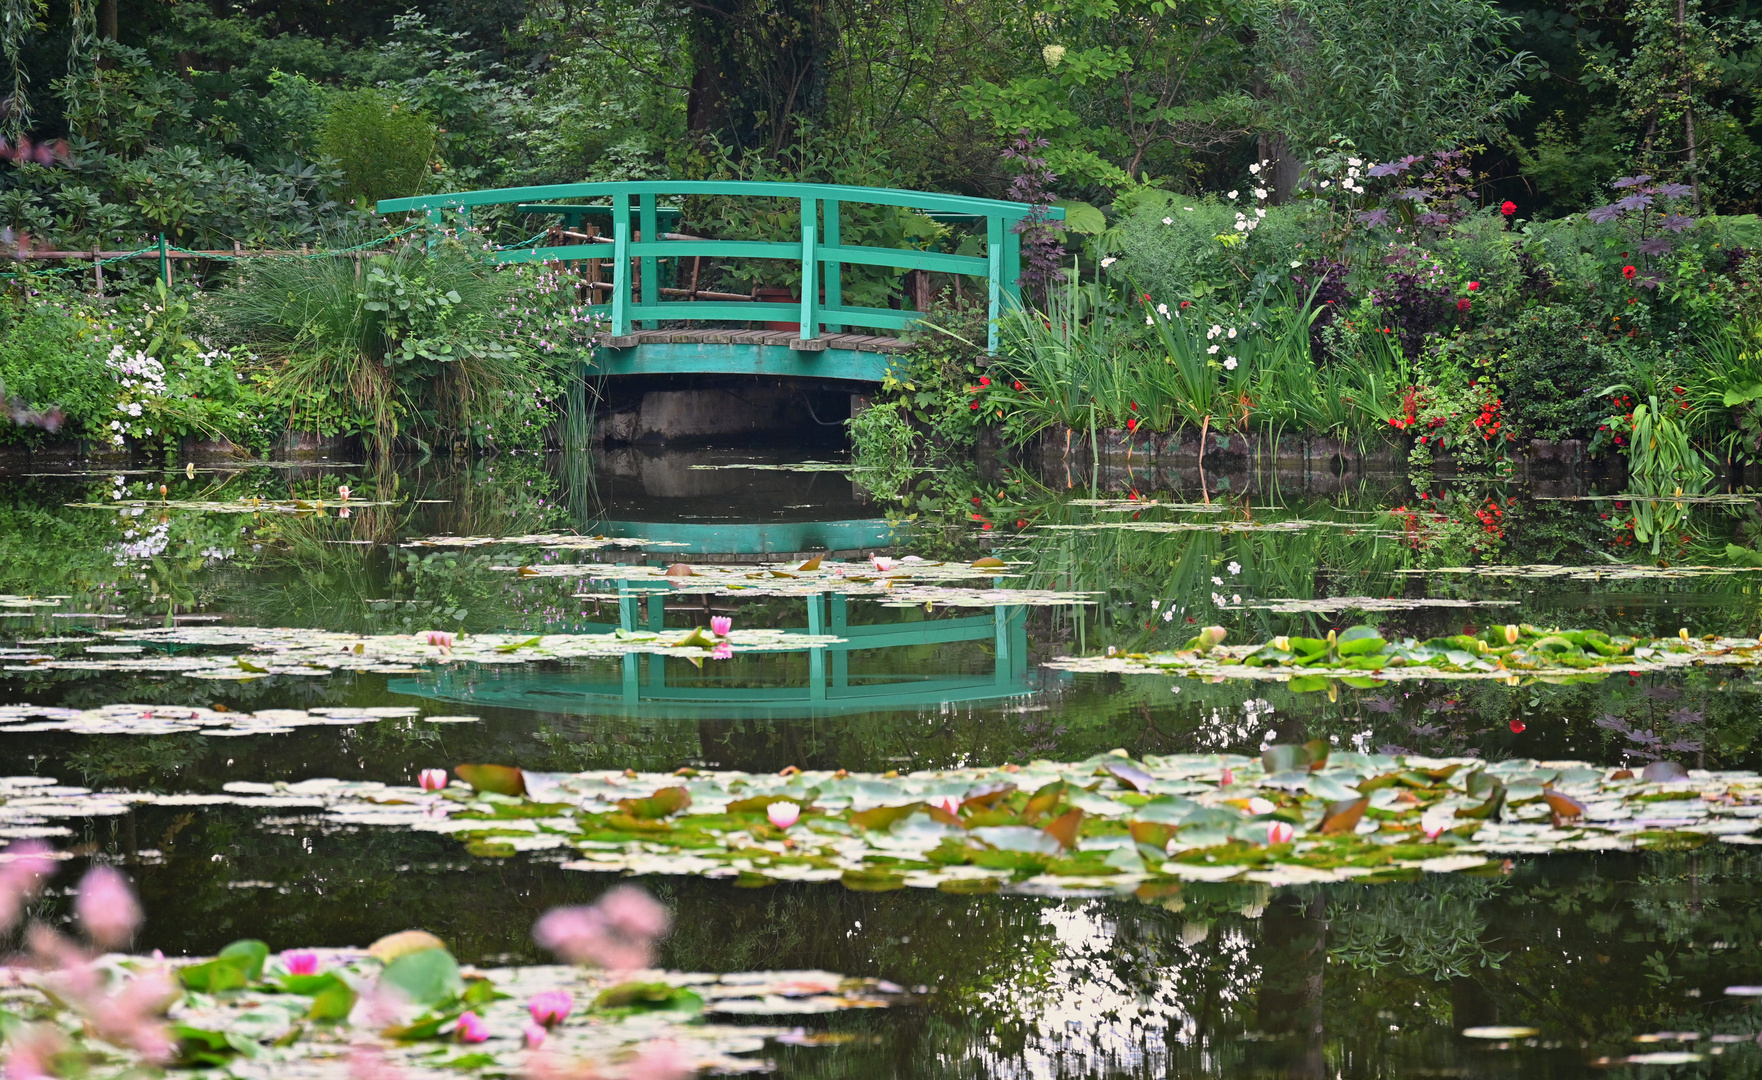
x: 878, y: 667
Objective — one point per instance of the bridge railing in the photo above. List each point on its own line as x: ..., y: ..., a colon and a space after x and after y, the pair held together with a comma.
x: 638, y: 244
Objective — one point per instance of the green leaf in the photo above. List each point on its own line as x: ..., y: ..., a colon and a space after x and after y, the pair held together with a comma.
x: 249, y: 955
x: 334, y: 1002
x: 496, y: 779
x: 1081, y: 217
x: 428, y: 977
x: 649, y: 997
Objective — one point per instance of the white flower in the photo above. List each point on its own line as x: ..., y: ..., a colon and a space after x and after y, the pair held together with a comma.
x: 1233, y: 194
x: 1213, y: 332
x: 1260, y: 193
x: 1324, y: 183
x: 1352, y: 174
x: 1052, y: 54
x: 1148, y: 321
x: 1236, y: 598
x: 1235, y: 568
x: 1154, y: 604
x: 1212, y: 350
x: 1260, y: 212
x: 134, y: 408
x: 1295, y: 263
x: 1354, y: 162
x: 1255, y: 169
x: 1215, y: 580
x: 1230, y: 364
x: 1163, y: 310
x: 1232, y: 331
x: 1241, y: 225
x: 1169, y: 615
x: 1109, y: 261
x: 1168, y: 221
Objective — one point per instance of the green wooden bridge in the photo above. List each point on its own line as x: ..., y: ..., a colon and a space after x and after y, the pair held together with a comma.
x: 644, y: 277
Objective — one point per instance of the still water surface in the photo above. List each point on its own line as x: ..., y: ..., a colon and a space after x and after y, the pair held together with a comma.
x: 1620, y: 962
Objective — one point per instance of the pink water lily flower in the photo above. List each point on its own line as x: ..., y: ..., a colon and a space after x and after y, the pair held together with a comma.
x: 438, y: 638
x: 720, y: 625
x: 551, y: 1007
x: 343, y: 492
x: 950, y: 803
x: 1432, y: 829
x: 1279, y: 832
x: 722, y: 651
x: 783, y: 814
x: 1227, y: 779
x: 432, y: 779
x: 533, y: 1035
x: 107, y: 908
x: 881, y: 563
x: 300, y: 961
x: 1258, y: 806
x: 471, y: 1028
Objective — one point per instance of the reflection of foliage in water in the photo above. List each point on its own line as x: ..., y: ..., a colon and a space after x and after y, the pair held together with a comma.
x: 150, y: 763
x: 1435, y: 933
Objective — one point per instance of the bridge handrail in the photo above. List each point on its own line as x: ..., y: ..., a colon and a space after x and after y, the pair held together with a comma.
x: 819, y: 247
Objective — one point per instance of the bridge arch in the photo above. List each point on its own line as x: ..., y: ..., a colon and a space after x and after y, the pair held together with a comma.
x: 820, y: 345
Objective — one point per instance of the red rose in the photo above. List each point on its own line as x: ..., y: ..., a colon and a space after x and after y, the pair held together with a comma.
x: 1508, y: 208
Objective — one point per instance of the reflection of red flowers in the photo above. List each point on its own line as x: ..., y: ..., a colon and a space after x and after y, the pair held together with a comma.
x: 1628, y: 272
x: 1517, y: 727
x: 1462, y: 304
x: 1473, y: 285
x: 1508, y: 208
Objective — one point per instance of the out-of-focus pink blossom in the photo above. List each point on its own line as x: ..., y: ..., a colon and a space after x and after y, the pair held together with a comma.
x: 1258, y: 806
x: 1227, y: 779
x: 660, y: 1059
x: 1279, y: 832
x: 950, y: 803
x: 342, y: 492
x: 471, y: 1028
x: 551, y: 1007
x: 106, y: 908
x: 720, y: 625
x: 1432, y: 829
x: 30, y: 1053
x: 783, y: 814
x: 617, y: 933
x: 369, y: 1063
x: 432, y: 779
x: 300, y: 961
x: 21, y: 875
x: 533, y: 1035
x: 131, y: 1017
x: 438, y: 638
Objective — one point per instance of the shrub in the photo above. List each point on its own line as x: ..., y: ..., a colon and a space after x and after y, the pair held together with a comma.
x: 52, y: 358
x: 1183, y: 247
x: 382, y: 148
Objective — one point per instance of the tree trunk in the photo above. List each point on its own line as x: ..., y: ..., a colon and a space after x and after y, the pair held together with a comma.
x: 107, y: 19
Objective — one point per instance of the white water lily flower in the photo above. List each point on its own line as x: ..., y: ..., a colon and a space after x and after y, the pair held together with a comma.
x: 1235, y: 568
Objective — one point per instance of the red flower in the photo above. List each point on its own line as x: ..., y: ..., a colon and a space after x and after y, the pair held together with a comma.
x: 1508, y: 208
x: 973, y: 405
x: 984, y: 380
x: 1462, y: 304
x: 1186, y: 303
x: 1019, y: 386
x: 1473, y: 285
x: 1134, y: 406
x: 1132, y: 424
x: 1517, y: 727
x: 1628, y: 272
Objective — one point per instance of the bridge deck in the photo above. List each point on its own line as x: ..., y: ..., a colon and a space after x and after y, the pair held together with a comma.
x: 787, y: 338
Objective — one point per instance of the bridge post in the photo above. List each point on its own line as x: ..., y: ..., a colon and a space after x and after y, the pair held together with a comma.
x: 651, y: 278
x: 1012, y: 265
x: 810, y: 262
x: 834, y: 270
x: 994, y: 228
x: 620, y: 264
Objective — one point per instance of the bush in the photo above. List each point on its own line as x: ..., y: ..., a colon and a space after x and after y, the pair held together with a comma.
x: 1170, y: 247
x: 52, y: 359
x: 383, y: 148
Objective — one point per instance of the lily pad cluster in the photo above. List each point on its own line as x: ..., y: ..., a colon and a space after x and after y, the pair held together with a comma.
x: 552, y: 541
x: 173, y: 719
x: 22, y: 604
x: 1612, y: 571
x: 319, y: 652
x: 406, y: 1007
x: 906, y: 582
x: 251, y: 504
x: 1361, y: 657
x: 1295, y: 814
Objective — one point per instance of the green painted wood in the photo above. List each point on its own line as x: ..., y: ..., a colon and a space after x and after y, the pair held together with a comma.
x: 696, y: 358
x: 810, y: 258
x: 819, y: 246
x: 916, y: 200
x: 834, y: 269
x: 651, y: 272
x: 667, y: 214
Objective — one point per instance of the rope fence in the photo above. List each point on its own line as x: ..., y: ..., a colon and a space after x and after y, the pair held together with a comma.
x: 166, y: 252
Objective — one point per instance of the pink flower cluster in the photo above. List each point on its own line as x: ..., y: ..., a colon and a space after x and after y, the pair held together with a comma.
x: 617, y: 933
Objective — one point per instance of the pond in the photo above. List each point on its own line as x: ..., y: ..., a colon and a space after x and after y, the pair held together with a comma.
x: 1006, y: 621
